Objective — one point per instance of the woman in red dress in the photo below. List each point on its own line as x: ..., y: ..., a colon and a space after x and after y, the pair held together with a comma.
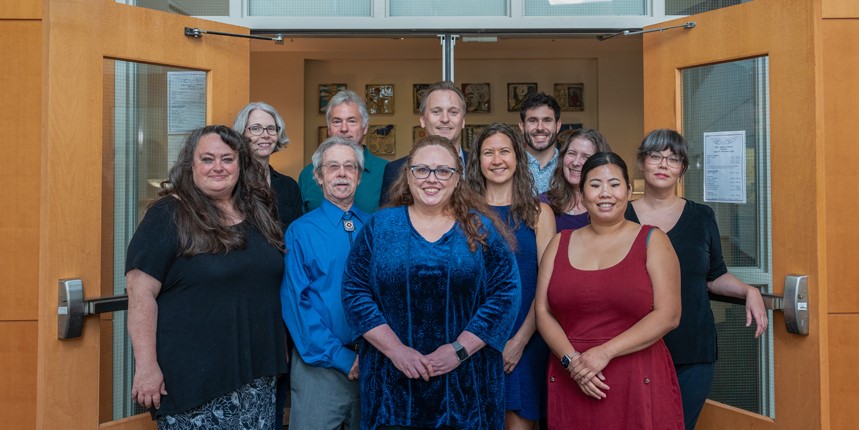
x: 606, y: 294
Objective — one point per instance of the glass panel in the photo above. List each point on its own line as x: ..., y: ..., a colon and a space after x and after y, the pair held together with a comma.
x: 691, y: 7
x: 734, y: 97
x: 185, y: 7
x: 587, y: 8
x: 148, y: 110
x: 310, y: 7
x: 448, y: 8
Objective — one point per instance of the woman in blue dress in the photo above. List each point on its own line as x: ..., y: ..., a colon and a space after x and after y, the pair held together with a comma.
x: 430, y: 283
x: 502, y: 177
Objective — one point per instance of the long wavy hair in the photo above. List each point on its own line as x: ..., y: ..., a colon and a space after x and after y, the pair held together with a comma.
x: 561, y: 194
x: 524, y: 207
x: 465, y: 205
x: 200, y: 223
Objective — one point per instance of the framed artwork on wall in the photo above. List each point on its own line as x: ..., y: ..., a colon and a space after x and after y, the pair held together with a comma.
x: 469, y: 134
x: 571, y: 97
x: 380, y: 98
x: 476, y: 97
x: 419, y: 91
x: 516, y: 93
x: 326, y: 91
x: 381, y: 139
x: 418, y: 133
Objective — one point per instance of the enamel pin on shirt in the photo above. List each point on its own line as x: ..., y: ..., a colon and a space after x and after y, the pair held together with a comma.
x: 348, y: 225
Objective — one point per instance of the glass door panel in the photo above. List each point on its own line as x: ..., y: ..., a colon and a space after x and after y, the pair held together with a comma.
x: 148, y: 110
x: 734, y: 97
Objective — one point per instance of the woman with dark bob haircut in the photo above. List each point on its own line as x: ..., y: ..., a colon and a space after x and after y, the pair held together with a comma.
x: 203, y: 277
x: 606, y: 294
x: 431, y: 283
x: 502, y: 177
x: 693, y: 232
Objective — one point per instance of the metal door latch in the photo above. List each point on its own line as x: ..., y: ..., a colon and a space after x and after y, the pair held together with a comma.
x: 72, y: 308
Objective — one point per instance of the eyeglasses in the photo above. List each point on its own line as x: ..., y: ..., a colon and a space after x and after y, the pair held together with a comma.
x: 257, y: 130
x: 442, y: 173
x: 333, y: 168
x: 656, y: 159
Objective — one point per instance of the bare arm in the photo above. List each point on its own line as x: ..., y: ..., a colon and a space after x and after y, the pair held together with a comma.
x: 664, y: 270
x: 550, y: 329
x: 148, y: 385
x: 545, y: 230
x: 729, y: 285
x: 412, y: 363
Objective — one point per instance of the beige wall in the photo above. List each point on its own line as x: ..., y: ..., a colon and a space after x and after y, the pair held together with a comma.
x: 288, y: 76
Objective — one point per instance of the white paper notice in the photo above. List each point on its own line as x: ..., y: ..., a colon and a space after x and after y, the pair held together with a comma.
x: 186, y: 101
x: 725, y: 167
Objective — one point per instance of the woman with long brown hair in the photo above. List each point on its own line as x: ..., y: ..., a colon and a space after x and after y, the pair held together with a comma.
x: 502, y: 177
x: 203, y: 278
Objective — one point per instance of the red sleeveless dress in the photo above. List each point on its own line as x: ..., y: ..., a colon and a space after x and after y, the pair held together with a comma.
x: 594, y: 306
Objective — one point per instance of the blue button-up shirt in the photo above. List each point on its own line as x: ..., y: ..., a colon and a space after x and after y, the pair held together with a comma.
x: 542, y: 175
x: 317, y: 246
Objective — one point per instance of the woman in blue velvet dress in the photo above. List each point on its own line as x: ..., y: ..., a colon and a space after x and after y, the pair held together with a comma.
x: 503, y: 178
x: 430, y: 283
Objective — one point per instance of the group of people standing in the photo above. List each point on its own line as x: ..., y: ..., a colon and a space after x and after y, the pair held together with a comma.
x: 507, y: 287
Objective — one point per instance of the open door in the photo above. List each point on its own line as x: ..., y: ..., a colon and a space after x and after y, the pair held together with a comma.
x: 121, y: 86
x: 750, y: 70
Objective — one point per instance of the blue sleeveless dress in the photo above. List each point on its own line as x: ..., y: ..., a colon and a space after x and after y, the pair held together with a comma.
x: 525, y: 387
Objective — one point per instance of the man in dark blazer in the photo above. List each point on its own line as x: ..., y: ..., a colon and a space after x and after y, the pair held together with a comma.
x: 442, y: 114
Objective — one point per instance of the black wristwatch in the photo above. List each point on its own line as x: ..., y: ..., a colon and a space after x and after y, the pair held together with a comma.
x: 461, y: 353
x: 565, y: 361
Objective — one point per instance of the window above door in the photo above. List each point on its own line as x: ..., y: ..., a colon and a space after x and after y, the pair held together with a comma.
x: 480, y: 16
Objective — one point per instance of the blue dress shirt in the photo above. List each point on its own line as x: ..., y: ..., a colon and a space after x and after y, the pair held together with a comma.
x: 317, y: 246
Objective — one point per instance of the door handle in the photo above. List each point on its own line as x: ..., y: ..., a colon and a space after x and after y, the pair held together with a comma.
x: 72, y: 308
x: 794, y: 303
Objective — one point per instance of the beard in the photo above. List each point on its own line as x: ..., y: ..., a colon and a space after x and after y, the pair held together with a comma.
x: 550, y: 142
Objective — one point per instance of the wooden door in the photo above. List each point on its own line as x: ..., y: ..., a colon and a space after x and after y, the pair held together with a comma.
x: 74, y: 388
x: 782, y: 31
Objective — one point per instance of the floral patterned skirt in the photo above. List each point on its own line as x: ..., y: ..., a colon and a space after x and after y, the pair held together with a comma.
x: 249, y: 407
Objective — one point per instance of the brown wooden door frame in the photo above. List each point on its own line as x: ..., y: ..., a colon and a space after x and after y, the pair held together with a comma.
x: 783, y: 30
x: 79, y: 35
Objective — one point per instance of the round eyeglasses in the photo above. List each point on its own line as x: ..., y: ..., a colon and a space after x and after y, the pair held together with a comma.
x: 442, y: 173
x: 655, y: 158
x: 257, y: 130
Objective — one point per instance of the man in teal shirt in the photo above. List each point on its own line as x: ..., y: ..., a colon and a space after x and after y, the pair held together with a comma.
x: 347, y: 116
